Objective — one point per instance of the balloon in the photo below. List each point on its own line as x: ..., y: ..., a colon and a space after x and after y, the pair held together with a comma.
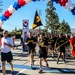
x: 62, y: 2
x: 73, y: 11
x: 3, y: 18
x: 16, y: 5
x: 69, y: 5
x: 55, y: 1
x: 7, y: 14
x: 1, y: 23
x: 33, y: 0
x: 11, y: 9
x: 27, y: 1
x: 21, y: 2
x: 48, y: 0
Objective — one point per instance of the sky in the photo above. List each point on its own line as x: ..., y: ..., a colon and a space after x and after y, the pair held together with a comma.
x: 27, y: 12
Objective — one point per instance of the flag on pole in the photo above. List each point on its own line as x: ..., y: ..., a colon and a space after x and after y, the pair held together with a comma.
x: 37, y: 21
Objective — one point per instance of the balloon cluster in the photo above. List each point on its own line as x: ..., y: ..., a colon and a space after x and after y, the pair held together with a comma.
x: 12, y: 9
x: 67, y: 4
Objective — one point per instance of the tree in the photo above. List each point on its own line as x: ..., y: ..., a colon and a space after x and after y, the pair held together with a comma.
x: 16, y: 32
x: 1, y: 29
x: 15, y: 29
x: 20, y: 30
x: 64, y: 27
x: 52, y: 20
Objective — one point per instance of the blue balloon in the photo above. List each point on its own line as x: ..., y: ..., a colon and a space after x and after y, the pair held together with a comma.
x: 55, y: 1
x: 3, y: 18
x: 73, y: 11
x: 16, y: 5
x: 34, y: 0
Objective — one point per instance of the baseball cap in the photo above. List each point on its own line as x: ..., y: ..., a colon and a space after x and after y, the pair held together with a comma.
x: 5, y: 31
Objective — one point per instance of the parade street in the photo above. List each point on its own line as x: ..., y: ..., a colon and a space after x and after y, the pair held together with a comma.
x: 21, y: 64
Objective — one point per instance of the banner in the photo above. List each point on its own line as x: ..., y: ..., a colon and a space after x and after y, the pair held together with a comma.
x: 25, y: 24
x: 37, y: 21
x: 25, y: 30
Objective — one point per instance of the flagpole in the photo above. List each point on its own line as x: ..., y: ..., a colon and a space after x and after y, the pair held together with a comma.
x: 39, y: 15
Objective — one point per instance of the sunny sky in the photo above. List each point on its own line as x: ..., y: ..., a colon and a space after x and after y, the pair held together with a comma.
x: 28, y: 12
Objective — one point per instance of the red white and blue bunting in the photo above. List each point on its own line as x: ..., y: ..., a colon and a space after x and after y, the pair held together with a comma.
x: 20, y: 3
x: 12, y: 8
x: 67, y: 4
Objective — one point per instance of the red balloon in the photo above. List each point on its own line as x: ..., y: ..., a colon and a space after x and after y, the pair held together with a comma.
x: 7, y: 14
x: 62, y: 2
x: 21, y: 2
x: 66, y: 0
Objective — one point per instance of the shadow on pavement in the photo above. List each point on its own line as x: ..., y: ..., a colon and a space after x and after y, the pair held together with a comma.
x: 15, y: 72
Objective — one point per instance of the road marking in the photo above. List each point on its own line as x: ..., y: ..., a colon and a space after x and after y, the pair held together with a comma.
x: 21, y: 71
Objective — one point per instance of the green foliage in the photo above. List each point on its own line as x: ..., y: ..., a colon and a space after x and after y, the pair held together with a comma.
x: 64, y: 27
x: 16, y: 32
x: 15, y: 29
x: 1, y: 29
x: 44, y: 30
x: 52, y: 20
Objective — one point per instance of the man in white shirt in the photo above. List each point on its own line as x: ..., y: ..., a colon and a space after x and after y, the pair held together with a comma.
x: 6, y: 54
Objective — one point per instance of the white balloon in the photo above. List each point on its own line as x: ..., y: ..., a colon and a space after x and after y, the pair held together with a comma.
x: 27, y: 1
x: 11, y: 9
x: 1, y: 23
x: 69, y: 5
